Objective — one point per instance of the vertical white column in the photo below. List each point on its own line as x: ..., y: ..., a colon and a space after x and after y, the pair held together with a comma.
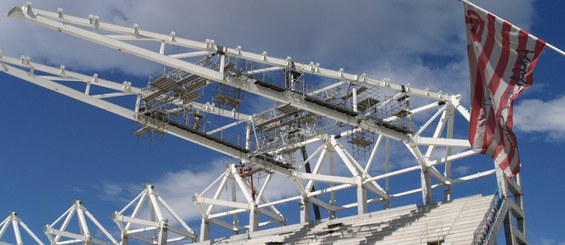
x: 361, y: 199
x: 234, y: 199
x: 304, y: 210
x: 354, y: 97
x: 162, y: 239
x: 450, y: 123
x: 331, y: 152
x: 387, y: 169
x: 204, y: 230
x: 426, y: 182
x: 253, y: 218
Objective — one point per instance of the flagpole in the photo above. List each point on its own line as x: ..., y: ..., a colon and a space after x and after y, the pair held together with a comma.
x: 556, y: 49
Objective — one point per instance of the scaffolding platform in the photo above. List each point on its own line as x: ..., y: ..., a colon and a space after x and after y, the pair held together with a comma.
x: 361, y: 142
x: 168, y: 83
x: 189, y: 97
x: 367, y: 103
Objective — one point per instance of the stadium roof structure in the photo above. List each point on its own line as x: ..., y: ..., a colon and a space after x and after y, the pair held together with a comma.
x: 199, y: 96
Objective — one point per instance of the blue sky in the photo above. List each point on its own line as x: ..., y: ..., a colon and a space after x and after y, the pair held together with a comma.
x: 54, y: 149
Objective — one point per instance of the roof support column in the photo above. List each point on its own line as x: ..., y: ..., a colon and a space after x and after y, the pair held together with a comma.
x: 162, y: 238
x: 426, y: 181
x: 361, y: 200
x: 450, y: 123
x: 124, y: 240
x: 204, y: 230
x: 253, y: 217
x: 304, y: 210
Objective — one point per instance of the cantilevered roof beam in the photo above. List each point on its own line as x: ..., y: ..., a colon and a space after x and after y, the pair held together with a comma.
x: 136, y: 33
x: 132, y: 115
x: 69, y: 24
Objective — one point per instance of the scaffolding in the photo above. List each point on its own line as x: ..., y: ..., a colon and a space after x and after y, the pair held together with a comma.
x: 361, y: 141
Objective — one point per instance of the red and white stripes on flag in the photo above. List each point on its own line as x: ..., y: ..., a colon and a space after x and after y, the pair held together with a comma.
x: 502, y: 59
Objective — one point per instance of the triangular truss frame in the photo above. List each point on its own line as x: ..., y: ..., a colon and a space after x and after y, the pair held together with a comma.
x: 16, y: 223
x: 232, y: 180
x: 158, y: 224
x: 85, y: 237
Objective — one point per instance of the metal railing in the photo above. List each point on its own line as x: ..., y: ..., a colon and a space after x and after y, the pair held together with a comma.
x: 486, y: 227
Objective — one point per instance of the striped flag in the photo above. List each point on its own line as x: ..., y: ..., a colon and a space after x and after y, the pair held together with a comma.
x: 502, y: 58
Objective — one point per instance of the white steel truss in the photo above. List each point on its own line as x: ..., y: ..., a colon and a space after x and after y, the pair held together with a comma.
x: 231, y: 181
x: 15, y: 221
x: 135, y: 225
x: 24, y: 69
x: 77, y: 27
x: 86, y: 235
x: 424, y: 123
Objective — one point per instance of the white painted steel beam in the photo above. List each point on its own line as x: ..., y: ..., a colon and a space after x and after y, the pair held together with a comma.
x: 132, y: 220
x: 40, y: 16
x: 53, y: 21
x: 129, y: 114
x: 473, y: 176
x: 454, y: 156
x: 458, y: 143
x: 219, y: 202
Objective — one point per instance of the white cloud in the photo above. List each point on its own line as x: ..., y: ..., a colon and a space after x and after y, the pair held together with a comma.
x: 177, y: 188
x: 536, y: 116
x: 462, y: 170
x: 111, y: 191
x: 551, y: 242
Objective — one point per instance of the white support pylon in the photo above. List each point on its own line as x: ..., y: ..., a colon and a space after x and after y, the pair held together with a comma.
x: 14, y: 221
x: 86, y: 235
x: 158, y: 225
